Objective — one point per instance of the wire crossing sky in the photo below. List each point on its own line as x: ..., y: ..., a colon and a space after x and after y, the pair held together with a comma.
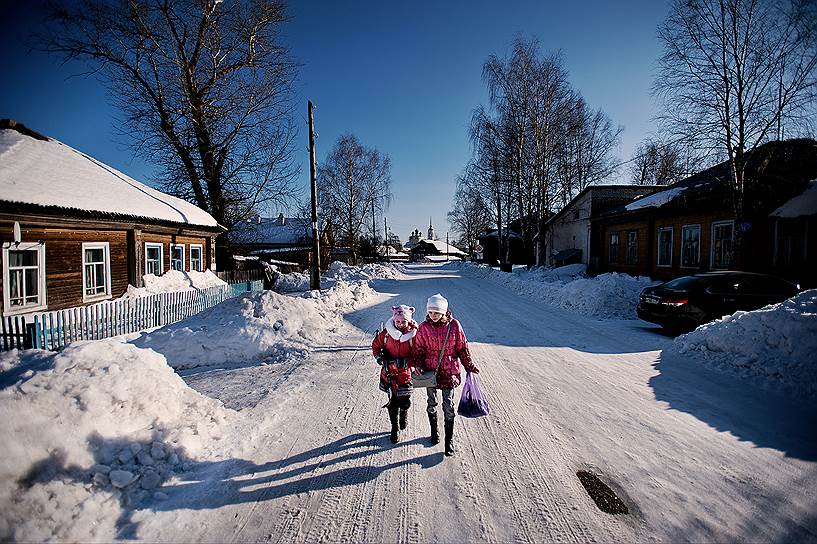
x: 402, y: 76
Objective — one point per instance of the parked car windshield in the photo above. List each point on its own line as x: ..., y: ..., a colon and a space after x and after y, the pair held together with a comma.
x: 683, y: 283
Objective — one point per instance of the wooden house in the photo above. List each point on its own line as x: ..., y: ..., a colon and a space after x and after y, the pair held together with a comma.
x: 571, y: 235
x: 76, y: 231
x: 690, y: 227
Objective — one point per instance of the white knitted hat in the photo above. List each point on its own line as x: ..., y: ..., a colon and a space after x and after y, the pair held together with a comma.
x: 437, y: 303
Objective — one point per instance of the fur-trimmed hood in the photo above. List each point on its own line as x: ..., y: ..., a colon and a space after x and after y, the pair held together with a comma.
x: 397, y: 334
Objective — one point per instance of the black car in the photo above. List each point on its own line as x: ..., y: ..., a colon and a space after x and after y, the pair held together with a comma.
x: 686, y: 302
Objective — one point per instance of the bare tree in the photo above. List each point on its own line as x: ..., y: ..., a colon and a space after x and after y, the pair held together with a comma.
x: 350, y: 180
x: 660, y: 163
x: 587, y: 157
x: 735, y: 73
x: 204, y: 88
x: 470, y: 216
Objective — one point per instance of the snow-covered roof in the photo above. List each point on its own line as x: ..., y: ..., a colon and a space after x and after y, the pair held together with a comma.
x: 442, y: 247
x: 46, y: 172
x: 656, y: 200
x: 272, y: 231
x: 803, y: 204
x: 391, y: 252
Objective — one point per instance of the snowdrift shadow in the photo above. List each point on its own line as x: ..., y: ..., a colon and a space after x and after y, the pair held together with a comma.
x: 236, y: 481
x: 732, y: 404
x: 510, y: 319
x: 204, y: 485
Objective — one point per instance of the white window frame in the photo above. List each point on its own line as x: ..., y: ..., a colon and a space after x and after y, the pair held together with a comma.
x: 700, y: 230
x: 161, y: 247
x: 712, y: 242
x: 175, y: 246
x: 200, y: 247
x: 105, y: 246
x: 610, y: 245
x: 671, y: 247
x: 41, y: 295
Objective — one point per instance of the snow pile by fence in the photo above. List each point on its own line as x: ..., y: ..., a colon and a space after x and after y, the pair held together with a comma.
x: 258, y: 326
x: 775, y: 345
x: 607, y: 296
x: 172, y: 281
x: 292, y: 283
x: 340, y: 271
x: 93, y: 428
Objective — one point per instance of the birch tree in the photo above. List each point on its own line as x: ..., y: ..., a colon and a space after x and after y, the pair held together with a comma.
x: 736, y: 73
x: 351, y: 179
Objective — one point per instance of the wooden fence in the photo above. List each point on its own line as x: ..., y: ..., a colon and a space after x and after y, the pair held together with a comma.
x: 55, y: 330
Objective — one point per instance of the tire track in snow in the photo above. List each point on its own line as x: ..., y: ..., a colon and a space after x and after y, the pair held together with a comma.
x: 545, y: 486
x: 296, y: 506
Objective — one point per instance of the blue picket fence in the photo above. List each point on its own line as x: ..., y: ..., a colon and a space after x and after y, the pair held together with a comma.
x: 55, y: 330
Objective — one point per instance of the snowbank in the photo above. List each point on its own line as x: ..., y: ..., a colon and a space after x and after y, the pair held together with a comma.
x: 340, y: 271
x: 90, y: 429
x: 292, y: 283
x: 257, y: 326
x: 174, y: 280
x: 298, y: 282
x: 607, y: 296
x: 775, y: 345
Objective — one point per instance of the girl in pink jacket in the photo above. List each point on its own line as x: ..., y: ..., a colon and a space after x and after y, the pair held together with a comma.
x: 440, y: 344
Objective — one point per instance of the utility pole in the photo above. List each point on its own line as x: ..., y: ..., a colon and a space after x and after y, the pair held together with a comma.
x: 446, y: 246
x: 386, y: 239
x: 315, y: 279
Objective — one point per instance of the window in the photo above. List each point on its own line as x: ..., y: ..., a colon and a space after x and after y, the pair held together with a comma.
x: 154, y: 260
x: 665, y: 246
x: 612, y: 254
x: 23, y: 277
x: 791, y: 242
x: 177, y: 257
x: 722, y: 244
x: 632, y: 247
x: 96, y: 271
x: 690, y: 246
x: 195, y: 257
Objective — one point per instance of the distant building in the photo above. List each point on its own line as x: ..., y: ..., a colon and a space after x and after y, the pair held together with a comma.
x: 435, y: 251
x: 279, y: 238
x: 570, y: 236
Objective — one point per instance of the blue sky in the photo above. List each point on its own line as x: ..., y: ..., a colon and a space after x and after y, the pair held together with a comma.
x: 403, y: 76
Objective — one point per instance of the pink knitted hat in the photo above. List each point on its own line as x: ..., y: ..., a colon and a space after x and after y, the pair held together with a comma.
x: 402, y: 311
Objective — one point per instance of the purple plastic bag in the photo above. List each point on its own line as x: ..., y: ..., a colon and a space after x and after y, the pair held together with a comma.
x: 473, y: 401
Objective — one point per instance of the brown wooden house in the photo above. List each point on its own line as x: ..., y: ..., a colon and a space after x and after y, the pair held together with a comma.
x: 689, y: 227
x: 75, y: 231
x: 571, y: 233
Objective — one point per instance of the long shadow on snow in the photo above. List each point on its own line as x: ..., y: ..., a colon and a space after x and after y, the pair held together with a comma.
x: 733, y: 404
x: 510, y: 319
x: 206, y: 485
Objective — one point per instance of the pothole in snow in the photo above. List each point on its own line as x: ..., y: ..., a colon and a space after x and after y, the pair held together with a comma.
x: 604, y: 497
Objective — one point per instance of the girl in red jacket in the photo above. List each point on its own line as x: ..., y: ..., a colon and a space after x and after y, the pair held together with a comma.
x: 440, y: 344
x: 393, y: 348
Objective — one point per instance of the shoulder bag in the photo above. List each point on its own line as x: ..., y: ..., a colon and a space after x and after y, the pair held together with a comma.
x: 429, y: 377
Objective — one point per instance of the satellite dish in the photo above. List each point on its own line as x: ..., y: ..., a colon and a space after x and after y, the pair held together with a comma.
x: 18, y: 237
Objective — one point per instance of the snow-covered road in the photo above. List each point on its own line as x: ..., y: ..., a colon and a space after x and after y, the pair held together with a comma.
x: 694, y: 454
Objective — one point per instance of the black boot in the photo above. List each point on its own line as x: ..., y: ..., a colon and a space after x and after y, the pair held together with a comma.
x: 395, y: 433
x: 403, y: 418
x: 449, y: 437
x: 435, y: 433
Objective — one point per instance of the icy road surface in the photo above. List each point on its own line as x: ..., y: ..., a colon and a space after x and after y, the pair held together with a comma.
x: 695, y: 455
